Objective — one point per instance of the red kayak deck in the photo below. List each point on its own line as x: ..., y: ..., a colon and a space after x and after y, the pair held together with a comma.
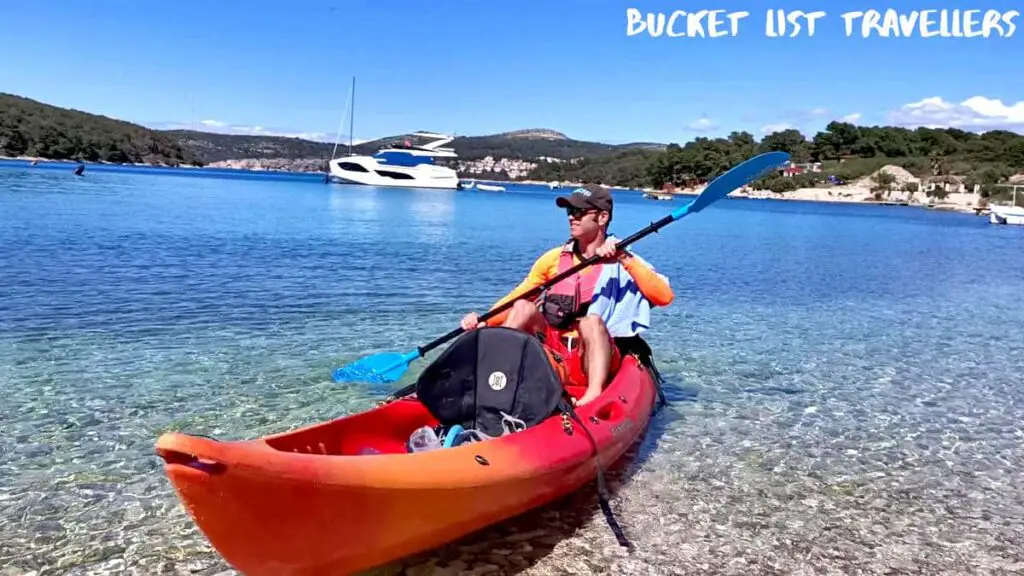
x: 308, y: 502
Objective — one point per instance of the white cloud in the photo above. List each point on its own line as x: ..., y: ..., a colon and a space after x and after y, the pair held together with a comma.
x: 212, y: 123
x: 818, y: 112
x: 702, y: 125
x: 977, y: 113
x: 851, y: 118
x: 769, y: 128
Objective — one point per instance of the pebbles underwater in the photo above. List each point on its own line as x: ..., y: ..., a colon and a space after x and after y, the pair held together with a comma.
x: 845, y: 381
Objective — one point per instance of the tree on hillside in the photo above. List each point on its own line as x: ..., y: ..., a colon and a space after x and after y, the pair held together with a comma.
x: 838, y: 139
x: 937, y: 161
x: 790, y: 141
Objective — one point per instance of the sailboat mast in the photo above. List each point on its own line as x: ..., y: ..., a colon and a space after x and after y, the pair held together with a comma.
x: 352, y: 116
x: 341, y: 123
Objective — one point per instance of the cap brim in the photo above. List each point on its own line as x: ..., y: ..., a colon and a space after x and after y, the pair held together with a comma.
x: 563, y: 202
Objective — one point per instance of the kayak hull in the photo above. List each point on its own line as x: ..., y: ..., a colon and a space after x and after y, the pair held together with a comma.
x: 313, y: 501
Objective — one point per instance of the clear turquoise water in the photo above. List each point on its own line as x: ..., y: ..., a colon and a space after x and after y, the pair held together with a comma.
x: 847, y: 380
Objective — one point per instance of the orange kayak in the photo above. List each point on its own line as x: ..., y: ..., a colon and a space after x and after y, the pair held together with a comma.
x: 312, y: 501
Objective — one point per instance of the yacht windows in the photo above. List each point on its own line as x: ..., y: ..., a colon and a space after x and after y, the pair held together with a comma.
x: 402, y: 158
x: 351, y: 167
x: 394, y: 175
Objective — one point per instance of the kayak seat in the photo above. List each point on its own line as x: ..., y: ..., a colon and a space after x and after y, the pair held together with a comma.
x: 374, y: 431
x: 488, y: 376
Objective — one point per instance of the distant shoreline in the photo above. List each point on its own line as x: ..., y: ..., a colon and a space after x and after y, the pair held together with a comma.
x: 964, y: 203
x: 852, y: 194
x: 860, y: 195
x: 51, y: 161
x: 40, y: 160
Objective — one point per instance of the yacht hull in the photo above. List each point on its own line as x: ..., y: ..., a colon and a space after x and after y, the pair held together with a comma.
x: 1006, y: 215
x: 366, y: 171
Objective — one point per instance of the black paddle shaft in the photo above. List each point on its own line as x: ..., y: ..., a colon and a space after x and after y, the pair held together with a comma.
x: 534, y: 292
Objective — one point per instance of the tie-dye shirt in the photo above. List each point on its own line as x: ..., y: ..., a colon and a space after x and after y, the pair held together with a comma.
x: 623, y: 294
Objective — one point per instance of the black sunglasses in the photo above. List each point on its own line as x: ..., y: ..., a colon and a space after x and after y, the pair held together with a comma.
x: 577, y: 213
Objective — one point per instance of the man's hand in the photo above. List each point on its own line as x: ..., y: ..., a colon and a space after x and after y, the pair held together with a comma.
x: 471, y: 321
x: 608, y: 250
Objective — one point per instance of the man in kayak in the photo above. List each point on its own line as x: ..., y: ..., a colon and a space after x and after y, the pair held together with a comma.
x: 580, y: 316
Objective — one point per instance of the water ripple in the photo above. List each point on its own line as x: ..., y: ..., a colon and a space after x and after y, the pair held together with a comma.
x: 845, y: 381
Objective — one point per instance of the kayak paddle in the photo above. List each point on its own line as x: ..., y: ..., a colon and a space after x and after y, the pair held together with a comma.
x: 388, y: 367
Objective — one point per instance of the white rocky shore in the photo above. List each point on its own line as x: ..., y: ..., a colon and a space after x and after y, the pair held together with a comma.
x: 277, y: 164
x: 862, y: 191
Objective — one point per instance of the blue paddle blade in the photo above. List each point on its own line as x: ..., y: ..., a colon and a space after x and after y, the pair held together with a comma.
x: 383, y: 368
x: 739, y: 176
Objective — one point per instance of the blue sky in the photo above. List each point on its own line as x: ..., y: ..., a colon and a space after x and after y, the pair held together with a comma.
x: 479, y: 67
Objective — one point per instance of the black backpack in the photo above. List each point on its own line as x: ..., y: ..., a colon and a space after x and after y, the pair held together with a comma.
x: 486, y: 374
x: 494, y: 370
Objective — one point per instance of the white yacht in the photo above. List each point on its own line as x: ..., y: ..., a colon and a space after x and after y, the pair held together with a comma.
x: 396, y: 165
x: 1012, y: 214
x: 400, y: 165
x: 1006, y: 215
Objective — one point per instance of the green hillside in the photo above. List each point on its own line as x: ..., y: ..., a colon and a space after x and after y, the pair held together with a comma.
x: 523, y: 144
x: 214, y: 147
x: 31, y: 128
x: 530, y: 144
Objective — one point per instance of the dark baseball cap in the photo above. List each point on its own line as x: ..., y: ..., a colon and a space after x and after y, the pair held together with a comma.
x: 590, y: 196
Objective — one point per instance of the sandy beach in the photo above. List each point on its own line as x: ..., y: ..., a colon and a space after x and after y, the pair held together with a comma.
x: 858, y: 192
x: 861, y: 191
x: 960, y: 202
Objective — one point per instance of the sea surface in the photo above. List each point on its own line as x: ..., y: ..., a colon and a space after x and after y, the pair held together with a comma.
x: 846, y: 382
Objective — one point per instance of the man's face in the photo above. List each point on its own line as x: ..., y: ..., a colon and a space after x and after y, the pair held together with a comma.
x: 585, y: 223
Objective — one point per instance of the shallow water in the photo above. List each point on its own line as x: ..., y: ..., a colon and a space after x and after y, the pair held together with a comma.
x: 846, y: 380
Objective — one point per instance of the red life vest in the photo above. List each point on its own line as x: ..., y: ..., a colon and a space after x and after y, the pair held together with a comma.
x: 567, y: 301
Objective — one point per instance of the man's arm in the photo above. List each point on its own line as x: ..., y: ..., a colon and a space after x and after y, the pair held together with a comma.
x: 540, y: 272
x: 652, y: 285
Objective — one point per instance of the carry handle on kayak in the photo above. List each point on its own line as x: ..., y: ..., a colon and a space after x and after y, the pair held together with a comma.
x: 197, y: 452
x: 207, y: 465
